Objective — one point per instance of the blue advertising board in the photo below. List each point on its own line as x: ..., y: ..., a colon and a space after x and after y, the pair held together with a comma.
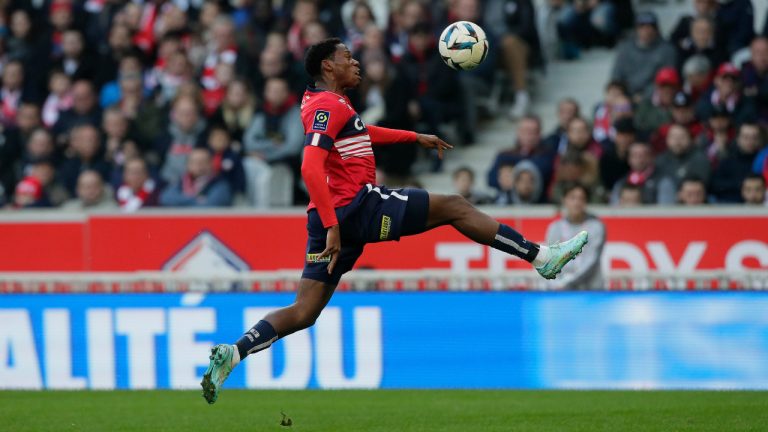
x: 393, y: 340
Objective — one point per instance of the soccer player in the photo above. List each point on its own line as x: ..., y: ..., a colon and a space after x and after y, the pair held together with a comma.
x: 348, y: 210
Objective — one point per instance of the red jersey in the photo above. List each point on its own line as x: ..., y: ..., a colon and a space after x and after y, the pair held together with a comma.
x: 330, y: 123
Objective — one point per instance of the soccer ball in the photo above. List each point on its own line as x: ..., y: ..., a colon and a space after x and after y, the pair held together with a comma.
x: 463, y: 45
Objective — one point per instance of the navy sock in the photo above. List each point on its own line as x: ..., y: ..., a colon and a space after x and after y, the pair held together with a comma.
x: 258, y: 338
x: 512, y: 242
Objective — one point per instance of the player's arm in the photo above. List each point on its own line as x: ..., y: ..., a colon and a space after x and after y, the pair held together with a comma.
x: 381, y: 135
x: 313, y: 172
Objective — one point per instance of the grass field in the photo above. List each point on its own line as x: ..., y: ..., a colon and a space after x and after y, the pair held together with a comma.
x: 384, y: 410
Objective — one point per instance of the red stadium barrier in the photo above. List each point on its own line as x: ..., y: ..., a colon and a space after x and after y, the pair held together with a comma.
x: 221, y: 242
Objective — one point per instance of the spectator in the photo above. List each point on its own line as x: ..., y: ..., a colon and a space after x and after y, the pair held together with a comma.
x: 59, y: 99
x: 584, y: 272
x: 39, y: 146
x: 640, y: 58
x: 586, y: 23
x: 614, y: 105
x: 717, y: 135
x: 655, y: 110
x: 383, y: 98
x: 463, y: 184
x: 84, y: 111
x: 11, y: 92
x: 701, y: 41
x: 199, y: 186
x: 227, y: 162
x: 75, y: 62
x: 731, y: 171
x: 528, y: 146
x: 410, y: 13
x: 514, y: 23
x: 21, y: 44
x: 85, y: 146
x: 735, y: 24
x: 655, y: 187
x: 567, y: 110
x: 32, y: 190
x: 692, y: 192
x: 726, y: 94
x: 697, y: 77
x: 174, y: 71
x: 613, y: 162
x: 682, y: 159
x: 630, y: 196
x: 119, y: 44
x: 304, y: 12
x: 754, y: 75
x: 273, y: 143
x: 138, y: 189
x: 91, y: 194
x: 753, y: 190
x: 505, y: 178
x: 185, y: 132
x: 575, y: 167
x: 701, y: 8
x: 438, y: 100
x: 236, y: 111
x: 580, y: 141
x: 27, y: 120
x: 362, y: 17
x: 119, y: 143
x: 682, y: 114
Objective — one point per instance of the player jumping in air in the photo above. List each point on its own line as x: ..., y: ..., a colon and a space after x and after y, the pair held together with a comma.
x: 348, y: 210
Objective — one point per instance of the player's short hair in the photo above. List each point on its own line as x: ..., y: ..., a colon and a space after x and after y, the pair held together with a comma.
x: 318, y: 52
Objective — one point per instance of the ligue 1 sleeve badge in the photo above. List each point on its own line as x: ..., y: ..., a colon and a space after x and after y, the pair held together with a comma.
x: 321, y: 120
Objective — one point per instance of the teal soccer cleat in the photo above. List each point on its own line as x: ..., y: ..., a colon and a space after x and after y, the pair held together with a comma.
x: 218, y: 371
x: 561, y: 254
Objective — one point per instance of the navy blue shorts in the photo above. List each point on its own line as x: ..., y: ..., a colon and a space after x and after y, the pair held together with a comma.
x: 376, y: 214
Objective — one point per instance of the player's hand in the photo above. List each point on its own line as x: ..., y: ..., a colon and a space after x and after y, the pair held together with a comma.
x: 332, y: 246
x: 433, y: 142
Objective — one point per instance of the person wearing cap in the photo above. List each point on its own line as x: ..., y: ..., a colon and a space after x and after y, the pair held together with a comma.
x: 655, y: 110
x: 726, y: 94
x: 683, y: 114
x: 613, y: 162
x: 639, y: 58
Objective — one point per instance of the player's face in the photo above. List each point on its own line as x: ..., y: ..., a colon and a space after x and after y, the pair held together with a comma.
x: 346, y: 68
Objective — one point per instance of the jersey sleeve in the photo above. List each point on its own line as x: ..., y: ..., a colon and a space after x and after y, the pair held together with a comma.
x: 322, y: 122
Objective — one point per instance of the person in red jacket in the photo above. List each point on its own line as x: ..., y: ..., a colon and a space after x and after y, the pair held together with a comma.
x: 348, y: 209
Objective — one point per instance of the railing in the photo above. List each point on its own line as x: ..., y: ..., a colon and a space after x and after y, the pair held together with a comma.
x: 368, y: 280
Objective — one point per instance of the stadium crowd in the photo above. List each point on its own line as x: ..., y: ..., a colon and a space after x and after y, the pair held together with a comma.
x: 108, y: 104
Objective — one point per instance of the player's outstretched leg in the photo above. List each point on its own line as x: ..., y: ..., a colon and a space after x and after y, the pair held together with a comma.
x: 456, y: 211
x: 311, y: 298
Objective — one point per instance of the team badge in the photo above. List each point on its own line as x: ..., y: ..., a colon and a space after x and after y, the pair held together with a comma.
x: 321, y: 120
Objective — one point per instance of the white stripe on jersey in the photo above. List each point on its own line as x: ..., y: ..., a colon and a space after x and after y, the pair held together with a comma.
x: 353, y: 140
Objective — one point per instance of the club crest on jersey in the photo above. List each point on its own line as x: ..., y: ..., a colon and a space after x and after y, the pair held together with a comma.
x: 321, y: 120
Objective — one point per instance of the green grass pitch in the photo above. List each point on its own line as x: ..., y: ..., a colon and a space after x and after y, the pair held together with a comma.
x: 385, y: 410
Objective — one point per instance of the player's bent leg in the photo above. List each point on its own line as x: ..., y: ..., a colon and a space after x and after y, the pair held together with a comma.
x: 311, y: 298
x: 456, y: 211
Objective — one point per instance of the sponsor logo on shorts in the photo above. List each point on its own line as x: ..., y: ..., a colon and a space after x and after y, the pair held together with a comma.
x: 386, y: 223
x: 315, y: 258
x: 321, y: 120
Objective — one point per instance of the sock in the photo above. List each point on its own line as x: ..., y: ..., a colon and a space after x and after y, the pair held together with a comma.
x: 542, y: 257
x: 513, y: 243
x: 235, y: 356
x: 258, y: 338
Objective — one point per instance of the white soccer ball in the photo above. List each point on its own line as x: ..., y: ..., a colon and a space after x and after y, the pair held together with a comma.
x: 463, y: 45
